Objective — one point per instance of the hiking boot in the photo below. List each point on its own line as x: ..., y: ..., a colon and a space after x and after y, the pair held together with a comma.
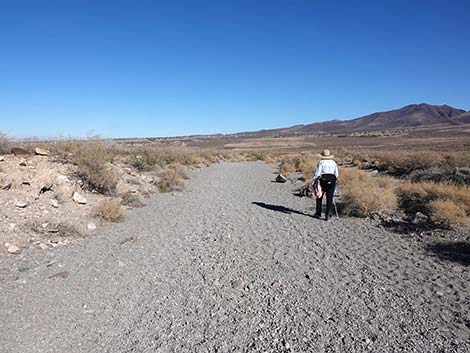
x: 326, y: 218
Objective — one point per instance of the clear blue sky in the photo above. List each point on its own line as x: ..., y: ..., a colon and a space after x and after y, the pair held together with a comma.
x: 162, y: 68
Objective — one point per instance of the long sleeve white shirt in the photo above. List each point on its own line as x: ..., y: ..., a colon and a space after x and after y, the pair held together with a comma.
x: 326, y: 166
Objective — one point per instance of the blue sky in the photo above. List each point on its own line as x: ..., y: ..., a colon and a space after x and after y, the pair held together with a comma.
x: 164, y: 68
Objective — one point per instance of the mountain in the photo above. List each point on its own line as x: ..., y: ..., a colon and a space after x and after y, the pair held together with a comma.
x: 410, y: 116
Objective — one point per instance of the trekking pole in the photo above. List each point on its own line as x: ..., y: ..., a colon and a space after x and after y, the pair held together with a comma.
x: 336, y: 209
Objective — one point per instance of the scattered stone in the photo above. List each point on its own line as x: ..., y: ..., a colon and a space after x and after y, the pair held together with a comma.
x: 80, y: 199
x: 62, y: 275
x: 43, y: 246
x: 5, y: 185
x: 54, y: 203
x: 237, y: 284
x: 23, y: 164
x: 91, y: 226
x: 41, y: 151
x: 2, y: 158
x: 45, y: 188
x: 13, y: 249
x: 12, y: 226
x: 21, y: 204
x: 20, y: 152
x: 281, y: 178
x: 419, y: 218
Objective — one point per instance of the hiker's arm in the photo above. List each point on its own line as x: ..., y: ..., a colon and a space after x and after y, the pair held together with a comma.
x: 317, y: 173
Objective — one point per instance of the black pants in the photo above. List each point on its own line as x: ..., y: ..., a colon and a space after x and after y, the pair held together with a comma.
x: 328, y: 186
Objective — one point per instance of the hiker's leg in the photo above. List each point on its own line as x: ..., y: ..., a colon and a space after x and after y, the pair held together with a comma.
x: 330, y: 191
x: 319, y: 202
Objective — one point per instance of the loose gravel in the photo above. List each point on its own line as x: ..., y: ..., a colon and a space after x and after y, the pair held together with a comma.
x: 235, y: 264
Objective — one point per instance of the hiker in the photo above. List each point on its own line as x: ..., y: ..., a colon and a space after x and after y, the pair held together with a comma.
x: 326, y: 175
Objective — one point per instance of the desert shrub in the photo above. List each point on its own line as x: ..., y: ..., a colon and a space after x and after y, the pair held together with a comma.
x: 131, y: 200
x: 287, y: 167
x: 169, y: 180
x: 61, y: 229
x: 364, y: 195
x: 441, y: 202
x: 424, y: 165
x: 5, y: 145
x: 92, y: 167
x: 109, y: 210
x: 307, y: 167
x: 447, y: 212
x: 91, y: 158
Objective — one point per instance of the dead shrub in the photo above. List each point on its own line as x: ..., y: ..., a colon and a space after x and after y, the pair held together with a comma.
x: 364, y: 195
x: 170, y: 180
x: 447, y: 212
x: 109, y: 210
x: 60, y: 229
x: 92, y: 167
x: 441, y: 202
x: 5, y: 145
x: 131, y: 200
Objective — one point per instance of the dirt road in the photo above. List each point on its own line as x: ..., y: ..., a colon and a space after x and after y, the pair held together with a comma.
x: 234, y: 264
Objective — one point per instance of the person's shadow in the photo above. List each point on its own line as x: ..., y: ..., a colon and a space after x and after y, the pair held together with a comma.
x: 281, y: 209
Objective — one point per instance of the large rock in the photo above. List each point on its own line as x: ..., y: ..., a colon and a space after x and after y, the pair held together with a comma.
x: 281, y: 178
x: 20, y: 152
x: 80, y: 199
x: 41, y: 151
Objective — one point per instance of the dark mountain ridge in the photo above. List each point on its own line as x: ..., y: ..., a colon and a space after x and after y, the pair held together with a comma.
x: 410, y: 116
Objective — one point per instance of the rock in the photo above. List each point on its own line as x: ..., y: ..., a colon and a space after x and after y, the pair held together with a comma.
x: 281, y: 178
x: 13, y: 249
x: 63, y: 275
x: 419, y: 218
x: 237, y: 284
x: 62, y: 179
x: 5, y: 185
x: 43, y: 246
x: 54, y: 203
x: 81, y: 200
x: 91, y: 226
x: 23, y: 164
x: 2, y: 158
x: 20, y: 152
x: 41, y: 152
x: 45, y: 188
x: 21, y: 204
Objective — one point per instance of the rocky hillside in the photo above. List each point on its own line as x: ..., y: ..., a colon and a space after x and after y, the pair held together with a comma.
x: 414, y: 115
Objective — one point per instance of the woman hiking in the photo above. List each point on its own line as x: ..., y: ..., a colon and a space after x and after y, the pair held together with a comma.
x: 326, y: 175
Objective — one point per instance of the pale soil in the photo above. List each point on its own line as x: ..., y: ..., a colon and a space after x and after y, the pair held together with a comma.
x: 236, y: 264
x: 36, y: 181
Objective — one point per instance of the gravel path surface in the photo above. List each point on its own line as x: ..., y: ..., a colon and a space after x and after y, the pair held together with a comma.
x: 234, y: 264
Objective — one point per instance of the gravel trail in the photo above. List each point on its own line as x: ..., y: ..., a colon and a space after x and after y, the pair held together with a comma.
x: 234, y: 264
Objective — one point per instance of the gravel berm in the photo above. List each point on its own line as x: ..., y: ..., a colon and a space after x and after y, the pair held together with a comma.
x: 234, y: 264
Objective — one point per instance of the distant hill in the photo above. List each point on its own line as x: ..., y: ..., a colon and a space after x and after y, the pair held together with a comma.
x: 410, y: 116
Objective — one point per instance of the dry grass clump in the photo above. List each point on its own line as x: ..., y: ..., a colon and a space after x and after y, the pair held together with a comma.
x: 5, y: 145
x: 171, y: 179
x: 443, y: 203
x: 109, y: 210
x: 364, y: 195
